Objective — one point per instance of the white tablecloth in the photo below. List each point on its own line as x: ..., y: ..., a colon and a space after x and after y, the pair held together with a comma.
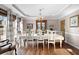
x: 46, y: 36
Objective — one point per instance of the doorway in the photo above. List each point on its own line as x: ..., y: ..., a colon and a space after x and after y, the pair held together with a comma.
x: 62, y: 27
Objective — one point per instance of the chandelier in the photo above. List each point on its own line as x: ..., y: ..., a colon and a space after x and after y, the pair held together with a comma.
x: 40, y: 17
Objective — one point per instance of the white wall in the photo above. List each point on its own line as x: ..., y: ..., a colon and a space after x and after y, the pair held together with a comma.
x: 71, y: 33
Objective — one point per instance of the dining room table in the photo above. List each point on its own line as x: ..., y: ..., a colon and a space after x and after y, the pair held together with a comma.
x: 57, y: 38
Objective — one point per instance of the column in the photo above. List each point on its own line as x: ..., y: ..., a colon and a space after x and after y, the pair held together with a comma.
x: 7, y: 29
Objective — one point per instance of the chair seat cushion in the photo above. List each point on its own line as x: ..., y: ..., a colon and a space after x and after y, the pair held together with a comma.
x: 5, y: 47
x: 4, y: 42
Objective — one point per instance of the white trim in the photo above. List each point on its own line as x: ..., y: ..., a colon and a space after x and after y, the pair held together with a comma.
x: 13, y: 5
x: 61, y: 10
x: 75, y: 34
x: 4, y: 7
x: 67, y: 11
x: 72, y: 45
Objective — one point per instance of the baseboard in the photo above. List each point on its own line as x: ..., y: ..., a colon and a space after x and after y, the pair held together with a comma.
x: 72, y: 45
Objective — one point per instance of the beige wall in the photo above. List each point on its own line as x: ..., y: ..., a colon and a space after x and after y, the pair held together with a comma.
x: 55, y: 23
x: 71, y: 33
x: 50, y: 21
x: 28, y: 20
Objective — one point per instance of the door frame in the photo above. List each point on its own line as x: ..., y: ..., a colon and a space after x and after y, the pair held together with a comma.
x: 63, y: 32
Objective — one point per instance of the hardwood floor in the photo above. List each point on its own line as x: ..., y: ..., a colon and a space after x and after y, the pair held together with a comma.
x: 29, y: 50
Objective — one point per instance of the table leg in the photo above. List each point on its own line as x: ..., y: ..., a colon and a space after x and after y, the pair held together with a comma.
x: 27, y: 42
x: 37, y: 44
x: 60, y: 43
x: 54, y: 46
x: 24, y: 43
x: 15, y: 51
x: 43, y: 44
x: 32, y: 44
x: 48, y: 45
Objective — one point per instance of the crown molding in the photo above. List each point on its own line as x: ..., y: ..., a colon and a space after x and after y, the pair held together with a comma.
x: 67, y: 11
x: 62, y: 9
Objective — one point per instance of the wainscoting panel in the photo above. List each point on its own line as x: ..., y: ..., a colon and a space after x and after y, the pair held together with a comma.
x: 72, y: 39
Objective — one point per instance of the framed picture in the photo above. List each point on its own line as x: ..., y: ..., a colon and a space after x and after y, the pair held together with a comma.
x: 74, y: 21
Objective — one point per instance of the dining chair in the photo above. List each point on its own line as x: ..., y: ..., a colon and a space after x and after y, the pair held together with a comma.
x: 34, y: 40
x: 40, y: 40
x: 39, y: 32
x: 34, y: 37
x: 59, y: 37
x: 53, y: 32
x: 51, y: 40
x: 27, y: 39
x: 30, y: 40
x: 48, y: 31
x: 45, y: 38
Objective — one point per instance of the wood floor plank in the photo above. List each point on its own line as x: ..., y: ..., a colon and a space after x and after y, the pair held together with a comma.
x: 29, y: 50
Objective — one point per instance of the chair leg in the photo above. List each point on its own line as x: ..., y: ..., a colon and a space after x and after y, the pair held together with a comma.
x: 48, y: 45
x: 32, y: 44
x: 37, y: 45
x: 60, y: 44
x: 54, y: 46
x: 43, y: 45
x: 24, y: 43
x: 15, y: 51
x: 27, y: 43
